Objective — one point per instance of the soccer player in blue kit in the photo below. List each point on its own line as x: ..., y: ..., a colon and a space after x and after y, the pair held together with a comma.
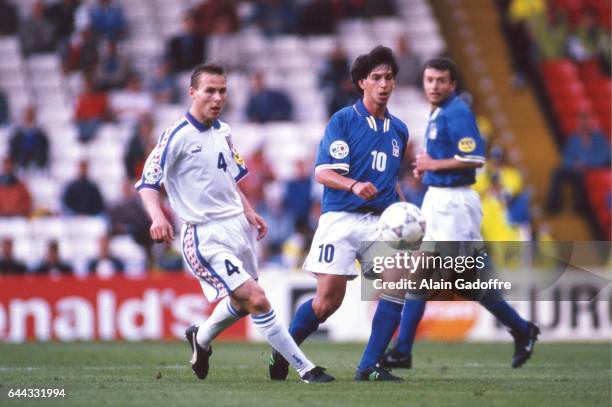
x: 358, y: 162
x: 451, y: 207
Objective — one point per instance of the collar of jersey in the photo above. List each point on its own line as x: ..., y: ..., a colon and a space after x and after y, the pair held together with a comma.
x: 199, y: 125
x: 363, y: 112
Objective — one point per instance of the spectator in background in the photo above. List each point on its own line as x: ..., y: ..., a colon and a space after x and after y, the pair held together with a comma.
x: 379, y: 8
x: 187, y: 49
x: 81, y: 53
x: 61, y: 15
x: 260, y: 175
x: 8, y: 263
x: 166, y: 258
x: 585, y: 149
x: 107, y: 20
x: 163, y: 86
x: 589, y: 40
x: 129, y: 217
x: 5, y: 114
x: 344, y: 95
x: 112, y: 69
x: 335, y: 68
x: 35, y: 32
x: 267, y: 105
x: 517, y: 17
x: 29, y: 144
x: 298, y: 192
x: 274, y: 17
x: 209, y: 12
x: 224, y: 46
x: 128, y: 105
x: 550, y: 34
x: 9, y: 19
x: 52, y: 264
x: 91, y: 110
x: 139, y: 146
x: 82, y: 196
x: 105, y: 265
x: 318, y: 17
x: 16, y: 199
x: 410, y: 65
x: 503, y: 181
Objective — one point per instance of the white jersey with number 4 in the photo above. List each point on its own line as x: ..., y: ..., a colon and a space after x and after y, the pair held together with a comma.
x: 199, y: 168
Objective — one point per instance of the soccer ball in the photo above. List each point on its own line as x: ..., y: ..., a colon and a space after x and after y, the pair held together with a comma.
x: 401, y: 225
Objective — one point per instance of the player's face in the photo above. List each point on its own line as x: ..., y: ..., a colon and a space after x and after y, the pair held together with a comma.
x: 209, y: 97
x: 379, y: 84
x: 438, y: 85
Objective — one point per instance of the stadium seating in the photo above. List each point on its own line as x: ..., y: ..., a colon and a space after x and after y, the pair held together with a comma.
x: 293, y: 63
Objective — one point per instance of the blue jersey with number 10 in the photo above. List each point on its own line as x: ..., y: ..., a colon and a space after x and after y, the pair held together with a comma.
x: 362, y: 147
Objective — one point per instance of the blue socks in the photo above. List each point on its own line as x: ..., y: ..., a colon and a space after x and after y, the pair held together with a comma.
x: 411, y: 316
x: 304, y: 322
x: 385, y: 320
x: 507, y: 315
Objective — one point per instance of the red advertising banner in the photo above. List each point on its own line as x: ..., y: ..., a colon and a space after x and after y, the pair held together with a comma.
x: 70, y: 308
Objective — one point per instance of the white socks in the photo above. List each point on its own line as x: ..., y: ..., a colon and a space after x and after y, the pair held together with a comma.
x: 222, y: 317
x: 281, y: 340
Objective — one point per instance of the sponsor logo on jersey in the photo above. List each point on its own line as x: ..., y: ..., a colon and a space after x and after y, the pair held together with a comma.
x: 339, y: 149
x: 152, y: 173
x: 396, y: 149
x: 196, y: 149
x: 466, y: 145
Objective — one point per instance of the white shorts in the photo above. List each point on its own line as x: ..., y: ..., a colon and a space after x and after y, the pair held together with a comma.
x: 337, y: 242
x: 452, y: 214
x: 221, y: 254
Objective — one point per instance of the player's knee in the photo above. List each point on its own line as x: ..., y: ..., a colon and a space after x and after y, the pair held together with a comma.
x: 258, y: 303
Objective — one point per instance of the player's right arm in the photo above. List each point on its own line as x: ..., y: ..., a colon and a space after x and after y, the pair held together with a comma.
x: 161, y: 229
x: 333, y: 161
x: 331, y: 179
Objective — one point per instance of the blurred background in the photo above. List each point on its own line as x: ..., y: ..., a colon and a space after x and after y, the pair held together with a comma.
x: 87, y: 87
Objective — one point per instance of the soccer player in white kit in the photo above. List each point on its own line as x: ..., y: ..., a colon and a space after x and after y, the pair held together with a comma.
x: 199, y: 167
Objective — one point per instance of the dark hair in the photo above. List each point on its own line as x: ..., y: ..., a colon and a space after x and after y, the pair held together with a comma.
x: 365, y: 63
x: 210, y: 68
x: 443, y: 64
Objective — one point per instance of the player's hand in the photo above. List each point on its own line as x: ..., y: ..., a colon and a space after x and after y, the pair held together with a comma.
x: 161, y: 230
x: 418, y: 175
x: 424, y: 162
x: 365, y: 190
x: 254, y: 219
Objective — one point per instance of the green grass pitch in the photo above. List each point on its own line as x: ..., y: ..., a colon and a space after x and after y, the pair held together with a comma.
x: 444, y: 374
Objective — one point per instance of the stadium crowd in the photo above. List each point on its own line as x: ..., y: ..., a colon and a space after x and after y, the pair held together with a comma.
x: 109, y: 87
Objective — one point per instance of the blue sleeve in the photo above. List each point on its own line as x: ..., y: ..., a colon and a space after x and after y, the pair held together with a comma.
x: 468, y: 144
x: 334, y: 150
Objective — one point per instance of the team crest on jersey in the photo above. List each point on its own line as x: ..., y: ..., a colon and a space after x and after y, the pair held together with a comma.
x: 339, y: 149
x: 433, y: 131
x: 237, y: 158
x: 196, y: 149
x: 152, y: 173
x: 396, y: 149
x: 466, y: 145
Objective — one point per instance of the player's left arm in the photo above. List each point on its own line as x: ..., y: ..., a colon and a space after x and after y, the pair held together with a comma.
x: 468, y: 146
x: 253, y: 218
x: 425, y: 163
